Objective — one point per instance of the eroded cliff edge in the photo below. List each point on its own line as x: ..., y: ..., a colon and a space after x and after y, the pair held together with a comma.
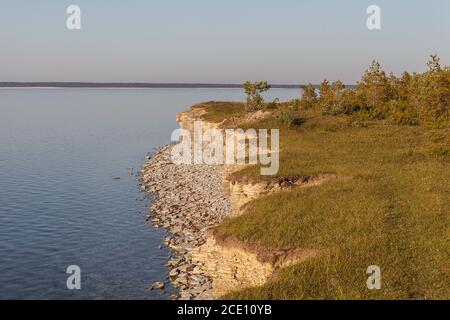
x: 190, y: 200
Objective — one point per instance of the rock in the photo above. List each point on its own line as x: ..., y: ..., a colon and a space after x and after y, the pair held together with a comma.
x: 173, y: 273
x: 186, y: 201
x: 177, y: 230
x: 181, y: 279
x: 158, y: 286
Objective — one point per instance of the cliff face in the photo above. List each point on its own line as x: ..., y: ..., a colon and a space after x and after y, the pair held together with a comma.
x: 231, y: 268
x: 234, y: 265
x: 231, y: 264
x: 186, y: 120
x: 242, y: 193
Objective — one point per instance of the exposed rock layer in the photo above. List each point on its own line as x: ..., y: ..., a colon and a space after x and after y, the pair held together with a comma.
x: 188, y: 201
x: 241, y: 193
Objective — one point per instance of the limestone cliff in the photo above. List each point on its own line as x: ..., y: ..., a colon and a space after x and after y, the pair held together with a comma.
x: 231, y: 264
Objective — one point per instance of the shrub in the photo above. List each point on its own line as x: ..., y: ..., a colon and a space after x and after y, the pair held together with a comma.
x: 286, y: 115
x: 309, y: 97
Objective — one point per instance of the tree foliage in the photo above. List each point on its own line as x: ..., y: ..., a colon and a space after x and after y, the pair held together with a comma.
x: 255, y: 100
x: 309, y: 96
x: 411, y: 99
x: 417, y: 99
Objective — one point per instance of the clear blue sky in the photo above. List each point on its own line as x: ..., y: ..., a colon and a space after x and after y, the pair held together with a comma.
x: 283, y: 41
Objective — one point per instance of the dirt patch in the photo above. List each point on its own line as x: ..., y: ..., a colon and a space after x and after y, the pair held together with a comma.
x: 283, y: 182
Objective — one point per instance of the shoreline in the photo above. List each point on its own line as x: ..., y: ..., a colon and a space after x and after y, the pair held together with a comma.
x: 190, y: 200
x: 134, y: 85
x: 187, y: 200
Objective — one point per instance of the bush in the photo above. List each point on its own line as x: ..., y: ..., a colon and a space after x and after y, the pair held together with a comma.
x: 285, y: 115
x: 309, y: 97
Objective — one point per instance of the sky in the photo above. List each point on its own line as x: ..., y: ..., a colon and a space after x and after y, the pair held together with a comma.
x: 217, y: 41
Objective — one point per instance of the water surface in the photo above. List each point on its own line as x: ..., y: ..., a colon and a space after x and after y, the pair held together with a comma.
x: 66, y: 194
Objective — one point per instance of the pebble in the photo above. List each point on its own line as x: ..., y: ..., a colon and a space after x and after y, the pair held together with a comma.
x: 158, y: 286
x: 173, y: 273
x: 186, y: 199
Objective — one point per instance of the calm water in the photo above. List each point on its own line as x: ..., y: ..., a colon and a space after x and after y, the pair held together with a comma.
x: 61, y: 204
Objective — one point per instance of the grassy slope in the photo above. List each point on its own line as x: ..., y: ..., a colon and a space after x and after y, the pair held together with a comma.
x: 391, y: 211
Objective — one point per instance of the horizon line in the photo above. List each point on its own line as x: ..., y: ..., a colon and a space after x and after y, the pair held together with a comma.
x: 174, y: 85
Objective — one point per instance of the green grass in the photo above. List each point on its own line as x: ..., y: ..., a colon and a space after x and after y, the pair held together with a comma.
x: 391, y: 210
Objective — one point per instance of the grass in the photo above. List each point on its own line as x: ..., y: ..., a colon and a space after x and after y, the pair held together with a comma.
x: 217, y: 111
x: 391, y: 210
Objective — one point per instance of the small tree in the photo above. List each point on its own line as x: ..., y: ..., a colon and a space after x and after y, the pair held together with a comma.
x: 326, y: 97
x: 338, y: 86
x: 374, y: 88
x: 430, y: 94
x: 434, y: 63
x: 255, y: 101
x: 309, y: 97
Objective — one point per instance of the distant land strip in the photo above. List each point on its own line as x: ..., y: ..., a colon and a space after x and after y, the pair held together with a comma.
x: 134, y: 85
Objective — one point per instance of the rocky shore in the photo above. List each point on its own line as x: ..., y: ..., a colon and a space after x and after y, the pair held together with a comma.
x: 189, y: 200
x: 186, y: 201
